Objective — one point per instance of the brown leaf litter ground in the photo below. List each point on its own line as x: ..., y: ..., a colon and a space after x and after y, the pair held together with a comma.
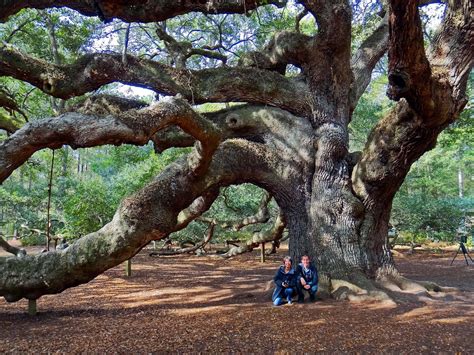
x: 204, y: 304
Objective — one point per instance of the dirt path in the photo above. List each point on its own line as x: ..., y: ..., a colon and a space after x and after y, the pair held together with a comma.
x: 201, y: 304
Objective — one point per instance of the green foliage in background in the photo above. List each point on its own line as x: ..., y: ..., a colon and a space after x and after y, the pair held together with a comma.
x: 88, y: 184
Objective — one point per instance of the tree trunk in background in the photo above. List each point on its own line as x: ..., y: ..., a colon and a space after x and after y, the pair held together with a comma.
x: 461, y: 181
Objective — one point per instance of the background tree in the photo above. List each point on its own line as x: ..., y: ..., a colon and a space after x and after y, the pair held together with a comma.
x: 301, y: 87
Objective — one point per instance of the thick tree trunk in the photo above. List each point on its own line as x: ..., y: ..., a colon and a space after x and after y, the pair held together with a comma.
x: 336, y: 204
x: 333, y: 226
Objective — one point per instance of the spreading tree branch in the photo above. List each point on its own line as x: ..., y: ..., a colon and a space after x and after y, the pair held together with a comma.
x: 428, y: 99
x: 133, y: 127
x: 366, y: 57
x: 202, y: 244
x: 196, y: 209
x: 284, y: 48
x: 141, y: 11
x: 271, y: 235
x: 251, y: 122
x: 92, y: 71
x: 409, y: 76
x: 181, y: 51
x: 261, y: 216
x: 150, y: 214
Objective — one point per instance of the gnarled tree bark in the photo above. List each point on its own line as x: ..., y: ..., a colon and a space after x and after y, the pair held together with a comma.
x: 292, y: 139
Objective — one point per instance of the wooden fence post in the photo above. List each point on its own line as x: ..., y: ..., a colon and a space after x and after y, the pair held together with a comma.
x: 128, y: 268
x: 262, y: 252
x: 32, y: 310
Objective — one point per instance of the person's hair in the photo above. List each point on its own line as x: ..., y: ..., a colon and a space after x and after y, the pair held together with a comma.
x: 288, y: 258
x: 302, y: 256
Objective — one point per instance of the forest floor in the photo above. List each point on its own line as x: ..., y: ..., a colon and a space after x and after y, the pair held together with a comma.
x: 204, y: 304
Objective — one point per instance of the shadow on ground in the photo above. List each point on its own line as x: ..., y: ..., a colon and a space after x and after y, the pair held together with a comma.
x: 203, y: 304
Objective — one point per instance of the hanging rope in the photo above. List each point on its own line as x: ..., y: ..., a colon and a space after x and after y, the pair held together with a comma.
x: 50, y: 185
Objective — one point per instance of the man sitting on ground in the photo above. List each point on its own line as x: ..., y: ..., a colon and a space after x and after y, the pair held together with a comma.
x: 307, y: 279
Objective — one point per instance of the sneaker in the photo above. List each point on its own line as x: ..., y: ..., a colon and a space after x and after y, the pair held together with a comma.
x: 300, y: 300
x: 290, y: 301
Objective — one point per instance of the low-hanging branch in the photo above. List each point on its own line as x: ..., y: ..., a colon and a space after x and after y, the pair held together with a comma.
x: 133, y: 127
x: 150, y: 214
x: 196, y: 209
x: 262, y: 216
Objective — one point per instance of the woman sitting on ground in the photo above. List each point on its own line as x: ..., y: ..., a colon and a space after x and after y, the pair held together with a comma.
x: 285, y: 281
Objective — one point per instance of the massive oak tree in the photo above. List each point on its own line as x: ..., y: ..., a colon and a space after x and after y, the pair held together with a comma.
x: 290, y: 137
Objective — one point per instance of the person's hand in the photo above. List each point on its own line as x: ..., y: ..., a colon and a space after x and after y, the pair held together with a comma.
x: 284, y: 284
x: 303, y: 282
x: 306, y: 286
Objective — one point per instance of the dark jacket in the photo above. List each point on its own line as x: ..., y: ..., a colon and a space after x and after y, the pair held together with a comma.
x: 311, y: 276
x: 281, y: 277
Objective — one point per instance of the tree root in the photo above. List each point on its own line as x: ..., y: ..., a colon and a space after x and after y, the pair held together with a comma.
x: 358, y: 288
x: 393, y: 281
x: 390, y: 288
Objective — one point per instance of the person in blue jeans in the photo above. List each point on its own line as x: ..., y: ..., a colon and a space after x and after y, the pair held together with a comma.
x: 285, y: 283
x: 307, y: 279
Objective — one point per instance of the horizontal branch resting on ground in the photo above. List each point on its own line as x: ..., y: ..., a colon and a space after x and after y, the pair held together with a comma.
x: 10, y: 248
x: 203, y: 203
x: 276, y: 233
x: 202, y: 244
x: 150, y: 214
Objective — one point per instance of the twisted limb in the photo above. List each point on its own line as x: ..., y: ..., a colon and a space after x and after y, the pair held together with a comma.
x: 191, y: 249
x: 18, y: 252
